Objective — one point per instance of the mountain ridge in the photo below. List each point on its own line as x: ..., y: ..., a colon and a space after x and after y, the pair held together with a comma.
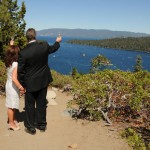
x: 89, y: 33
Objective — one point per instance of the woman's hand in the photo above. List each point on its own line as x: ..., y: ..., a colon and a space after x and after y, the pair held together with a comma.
x: 22, y: 91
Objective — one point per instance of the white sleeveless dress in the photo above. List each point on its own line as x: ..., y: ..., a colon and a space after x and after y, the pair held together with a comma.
x: 12, y: 92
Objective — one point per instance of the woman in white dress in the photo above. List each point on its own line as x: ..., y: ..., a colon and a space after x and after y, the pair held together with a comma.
x: 13, y: 87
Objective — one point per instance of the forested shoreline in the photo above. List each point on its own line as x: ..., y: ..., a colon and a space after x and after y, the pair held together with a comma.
x: 130, y: 43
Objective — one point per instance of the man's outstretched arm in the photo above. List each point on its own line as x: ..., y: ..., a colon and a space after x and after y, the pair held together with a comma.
x: 53, y: 48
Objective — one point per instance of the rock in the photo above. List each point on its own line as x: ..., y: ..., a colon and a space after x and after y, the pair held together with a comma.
x: 51, y: 95
x: 55, y: 89
x: 67, y: 87
x: 51, y: 102
x: 61, y: 90
x: 73, y: 146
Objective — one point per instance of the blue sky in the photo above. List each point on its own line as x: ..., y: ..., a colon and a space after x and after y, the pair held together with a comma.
x: 116, y: 15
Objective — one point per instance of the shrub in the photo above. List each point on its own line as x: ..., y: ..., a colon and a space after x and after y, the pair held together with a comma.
x: 122, y: 96
x: 60, y: 80
x: 134, y: 139
x: 2, y: 77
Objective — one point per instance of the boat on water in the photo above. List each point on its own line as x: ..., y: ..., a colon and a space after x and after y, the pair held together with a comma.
x: 83, y: 54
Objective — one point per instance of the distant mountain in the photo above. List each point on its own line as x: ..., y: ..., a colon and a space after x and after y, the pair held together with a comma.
x: 88, y: 33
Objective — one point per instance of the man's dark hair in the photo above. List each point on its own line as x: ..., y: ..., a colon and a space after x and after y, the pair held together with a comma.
x: 31, y: 34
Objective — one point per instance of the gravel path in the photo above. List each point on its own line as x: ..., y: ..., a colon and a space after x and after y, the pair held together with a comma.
x: 63, y: 133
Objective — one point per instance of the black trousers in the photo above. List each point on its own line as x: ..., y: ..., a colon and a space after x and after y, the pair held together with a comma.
x: 35, y: 108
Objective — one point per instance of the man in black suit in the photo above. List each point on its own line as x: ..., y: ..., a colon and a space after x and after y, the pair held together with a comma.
x: 34, y: 74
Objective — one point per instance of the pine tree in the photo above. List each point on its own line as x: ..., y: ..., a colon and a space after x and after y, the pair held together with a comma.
x: 74, y: 72
x: 138, y: 65
x: 99, y: 63
x: 12, y: 23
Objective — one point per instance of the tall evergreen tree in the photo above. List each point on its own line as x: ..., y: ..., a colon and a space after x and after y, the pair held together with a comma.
x: 138, y: 65
x: 12, y: 23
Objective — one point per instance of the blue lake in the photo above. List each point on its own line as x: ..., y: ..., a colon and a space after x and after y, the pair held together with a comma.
x: 79, y: 56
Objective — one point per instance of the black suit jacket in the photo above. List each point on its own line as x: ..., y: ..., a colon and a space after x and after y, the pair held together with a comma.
x: 33, y: 70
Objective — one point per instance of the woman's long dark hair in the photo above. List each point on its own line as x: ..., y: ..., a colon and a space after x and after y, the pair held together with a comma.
x: 11, y: 55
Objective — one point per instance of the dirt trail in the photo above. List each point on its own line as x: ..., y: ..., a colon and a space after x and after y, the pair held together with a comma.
x: 63, y: 133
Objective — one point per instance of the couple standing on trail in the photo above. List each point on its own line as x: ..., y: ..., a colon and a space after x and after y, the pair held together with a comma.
x: 28, y: 73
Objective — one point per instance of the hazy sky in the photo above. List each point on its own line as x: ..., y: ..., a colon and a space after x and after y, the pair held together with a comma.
x: 118, y: 15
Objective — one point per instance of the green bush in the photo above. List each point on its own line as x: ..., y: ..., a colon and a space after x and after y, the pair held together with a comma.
x: 134, y: 139
x: 123, y: 95
x: 2, y: 77
x: 60, y: 80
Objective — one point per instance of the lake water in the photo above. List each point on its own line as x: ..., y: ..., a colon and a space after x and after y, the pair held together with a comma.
x: 79, y: 56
